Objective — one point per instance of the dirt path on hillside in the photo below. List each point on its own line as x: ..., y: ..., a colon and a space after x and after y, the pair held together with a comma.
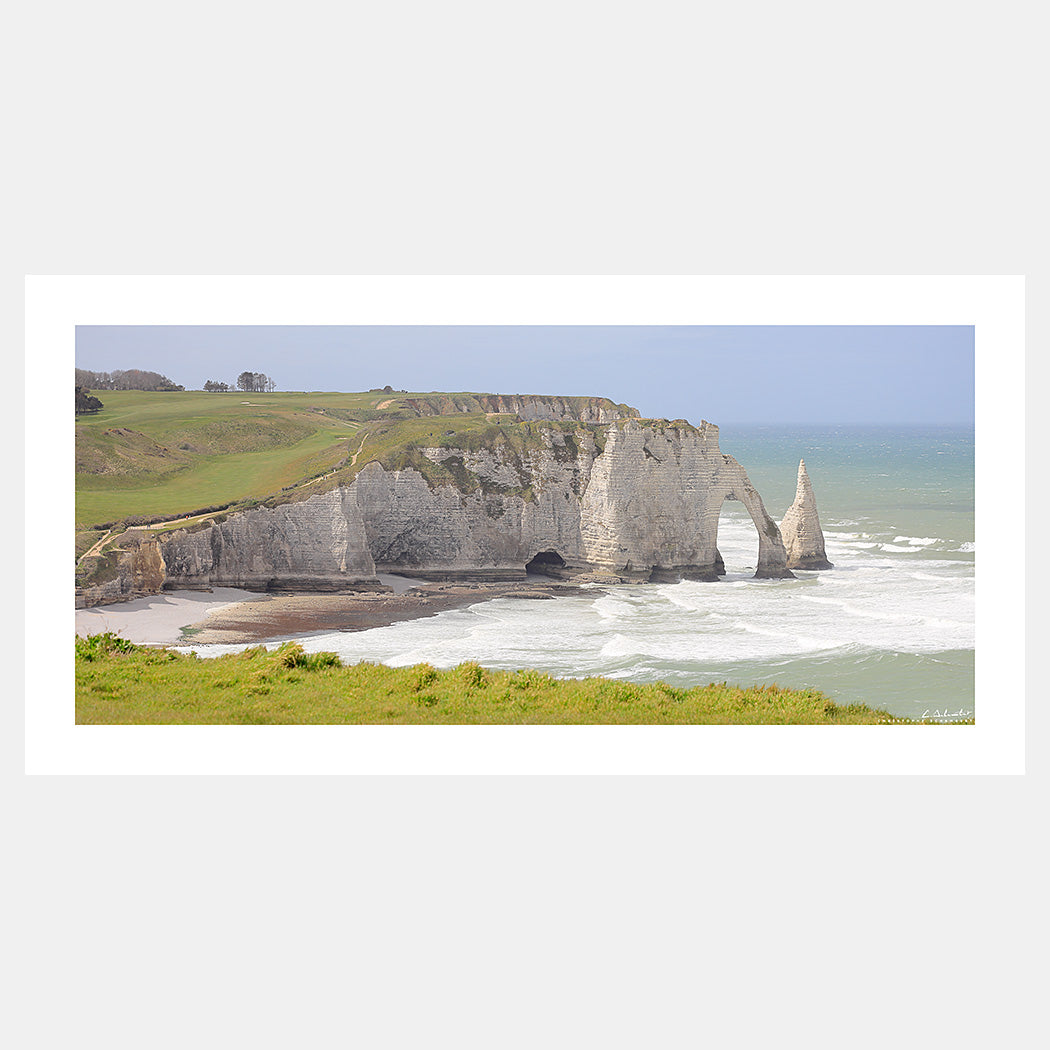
x: 95, y: 547
x: 157, y: 525
x: 353, y: 459
x: 332, y: 473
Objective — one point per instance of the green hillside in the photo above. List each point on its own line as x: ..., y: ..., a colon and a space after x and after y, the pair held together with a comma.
x: 171, y: 453
x: 166, y: 454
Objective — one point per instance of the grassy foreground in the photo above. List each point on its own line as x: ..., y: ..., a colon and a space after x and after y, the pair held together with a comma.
x: 121, y: 683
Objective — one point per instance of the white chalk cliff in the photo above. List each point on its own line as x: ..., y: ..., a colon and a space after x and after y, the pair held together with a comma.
x: 524, y: 406
x: 801, y: 530
x: 629, y: 501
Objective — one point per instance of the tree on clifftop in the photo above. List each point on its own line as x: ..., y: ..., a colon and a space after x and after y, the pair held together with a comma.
x: 255, y: 382
x: 85, y: 403
x: 132, y: 379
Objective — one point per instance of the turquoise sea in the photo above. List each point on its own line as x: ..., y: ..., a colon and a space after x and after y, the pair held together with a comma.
x: 891, y: 625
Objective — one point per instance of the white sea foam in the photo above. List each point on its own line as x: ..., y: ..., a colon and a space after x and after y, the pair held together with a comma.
x: 868, y: 605
x: 917, y: 541
x: 619, y: 645
x: 615, y: 606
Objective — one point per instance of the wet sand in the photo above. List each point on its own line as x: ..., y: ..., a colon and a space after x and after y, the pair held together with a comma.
x: 234, y: 617
x: 287, y: 615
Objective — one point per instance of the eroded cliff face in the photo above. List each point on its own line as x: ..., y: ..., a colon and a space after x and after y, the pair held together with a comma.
x: 583, y: 409
x: 514, y: 510
x: 643, y: 507
x: 314, y: 545
x: 528, y: 407
x: 139, y: 571
x: 651, y: 507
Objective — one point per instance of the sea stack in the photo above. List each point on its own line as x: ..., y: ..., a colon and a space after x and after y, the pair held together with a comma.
x: 800, y: 528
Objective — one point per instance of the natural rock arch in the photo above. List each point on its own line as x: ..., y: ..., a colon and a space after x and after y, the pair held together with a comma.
x: 772, y: 556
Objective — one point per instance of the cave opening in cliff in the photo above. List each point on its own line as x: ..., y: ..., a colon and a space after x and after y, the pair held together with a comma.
x: 546, y: 563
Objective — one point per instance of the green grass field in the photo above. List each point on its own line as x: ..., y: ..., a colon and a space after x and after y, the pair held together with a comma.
x: 119, y: 683
x: 173, y: 453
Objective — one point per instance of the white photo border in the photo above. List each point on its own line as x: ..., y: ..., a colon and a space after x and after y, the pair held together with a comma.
x: 55, y: 305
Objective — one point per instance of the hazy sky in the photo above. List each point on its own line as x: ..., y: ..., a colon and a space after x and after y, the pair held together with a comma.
x: 745, y: 374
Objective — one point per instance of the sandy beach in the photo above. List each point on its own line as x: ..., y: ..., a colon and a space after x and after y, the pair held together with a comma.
x: 235, y: 617
x: 158, y: 620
